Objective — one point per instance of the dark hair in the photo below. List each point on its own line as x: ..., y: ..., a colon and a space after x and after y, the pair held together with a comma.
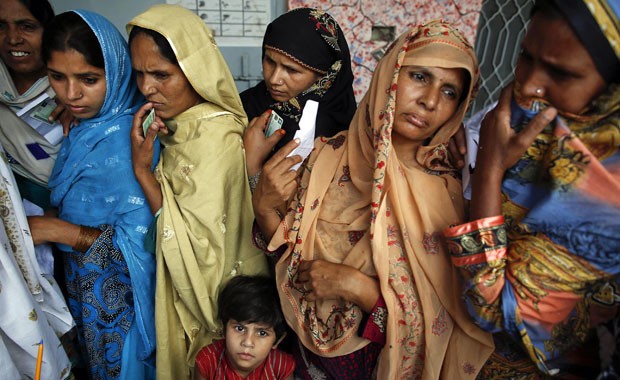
x: 251, y: 299
x: 69, y: 31
x: 40, y: 9
x: 164, y: 47
x: 548, y: 8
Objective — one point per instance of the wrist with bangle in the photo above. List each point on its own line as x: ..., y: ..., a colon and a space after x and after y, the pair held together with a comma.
x: 86, y: 238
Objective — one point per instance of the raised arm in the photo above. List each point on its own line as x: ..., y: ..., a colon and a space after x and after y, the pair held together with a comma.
x: 500, y: 148
x: 257, y: 145
x: 142, y: 149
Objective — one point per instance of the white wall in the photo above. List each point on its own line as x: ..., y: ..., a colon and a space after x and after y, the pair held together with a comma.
x: 119, y: 12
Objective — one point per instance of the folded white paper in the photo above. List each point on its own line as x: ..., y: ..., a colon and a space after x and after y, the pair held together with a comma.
x: 307, y: 128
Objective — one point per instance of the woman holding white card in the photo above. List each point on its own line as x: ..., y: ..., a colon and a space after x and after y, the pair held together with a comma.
x: 362, y: 276
x: 313, y: 63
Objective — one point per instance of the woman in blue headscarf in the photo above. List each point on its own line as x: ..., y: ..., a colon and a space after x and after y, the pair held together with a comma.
x: 102, y: 213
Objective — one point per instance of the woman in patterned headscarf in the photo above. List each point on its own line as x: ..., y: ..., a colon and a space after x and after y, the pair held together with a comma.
x: 305, y: 57
x: 364, y: 276
x: 541, y: 252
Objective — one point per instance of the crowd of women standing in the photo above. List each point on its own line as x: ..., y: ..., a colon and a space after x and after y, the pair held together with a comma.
x: 150, y: 222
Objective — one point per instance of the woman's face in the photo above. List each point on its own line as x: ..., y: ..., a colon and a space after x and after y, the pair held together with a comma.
x: 284, y: 77
x: 556, y: 62
x: 426, y: 98
x: 20, y: 39
x: 161, y: 82
x: 79, y: 86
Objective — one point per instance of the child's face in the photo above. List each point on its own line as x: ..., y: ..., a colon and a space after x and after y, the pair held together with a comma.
x: 248, y: 345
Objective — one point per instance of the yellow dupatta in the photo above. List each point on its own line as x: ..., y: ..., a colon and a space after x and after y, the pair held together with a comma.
x: 204, y: 229
x: 358, y: 205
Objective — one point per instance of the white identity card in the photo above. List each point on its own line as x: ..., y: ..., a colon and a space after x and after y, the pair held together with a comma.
x: 307, y: 127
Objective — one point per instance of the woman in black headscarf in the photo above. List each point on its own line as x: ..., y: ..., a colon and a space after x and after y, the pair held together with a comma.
x: 305, y: 57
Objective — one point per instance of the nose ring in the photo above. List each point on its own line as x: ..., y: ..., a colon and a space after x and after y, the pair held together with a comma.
x: 280, y: 82
x: 539, y: 91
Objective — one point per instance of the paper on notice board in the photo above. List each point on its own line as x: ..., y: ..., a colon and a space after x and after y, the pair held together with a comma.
x: 307, y: 127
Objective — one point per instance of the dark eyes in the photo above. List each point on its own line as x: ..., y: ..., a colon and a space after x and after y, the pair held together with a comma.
x: 422, y: 78
x: 160, y: 76
x: 525, y: 55
x: 417, y: 76
x: 291, y: 70
x: 24, y: 26
x: 90, y: 80
x: 450, y: 93
x: 28, y: 27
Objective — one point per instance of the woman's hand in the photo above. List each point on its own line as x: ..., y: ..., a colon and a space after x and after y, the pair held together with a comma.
x: 457, y: 148
x: 64, y: 117
x: 142, y: 149
x: 45, y: 229
x: 141, y: 145
x: 274, y: 189
x: 324, y: 280
x: 500, y: 148
x: 257, y: 145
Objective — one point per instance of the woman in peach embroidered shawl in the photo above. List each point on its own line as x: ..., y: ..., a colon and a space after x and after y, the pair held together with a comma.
x: 373, y: 202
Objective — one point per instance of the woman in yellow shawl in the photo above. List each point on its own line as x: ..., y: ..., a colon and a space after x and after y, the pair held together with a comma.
x: 365, y: 222
x: 200, y: 184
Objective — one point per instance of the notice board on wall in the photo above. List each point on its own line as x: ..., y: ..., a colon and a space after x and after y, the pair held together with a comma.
x: 233, y: 22
x: 370, y: 26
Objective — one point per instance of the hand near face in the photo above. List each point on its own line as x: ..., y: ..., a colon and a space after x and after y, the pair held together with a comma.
x: 257, y: 145
x: 64, y: 117
x: 142, y: 146
x: 500, y: 146
x: 323, y: 280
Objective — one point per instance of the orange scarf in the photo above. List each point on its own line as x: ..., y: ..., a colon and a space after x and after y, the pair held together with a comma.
x: 358, y: 205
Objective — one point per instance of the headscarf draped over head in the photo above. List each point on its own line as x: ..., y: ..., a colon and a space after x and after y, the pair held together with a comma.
x: 191, y: 42
x: 357, y: 204
x: 596, y: 24
x: 204, y: 228
x: 313, y: 39
x: 84, y: 189
x: 560, y: 223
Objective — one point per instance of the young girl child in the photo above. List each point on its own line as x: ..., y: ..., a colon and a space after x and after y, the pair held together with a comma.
x: 102, y: 214
x: 254, y: 326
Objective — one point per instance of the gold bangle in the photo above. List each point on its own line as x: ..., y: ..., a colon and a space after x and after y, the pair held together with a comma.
x: 86, y: 238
